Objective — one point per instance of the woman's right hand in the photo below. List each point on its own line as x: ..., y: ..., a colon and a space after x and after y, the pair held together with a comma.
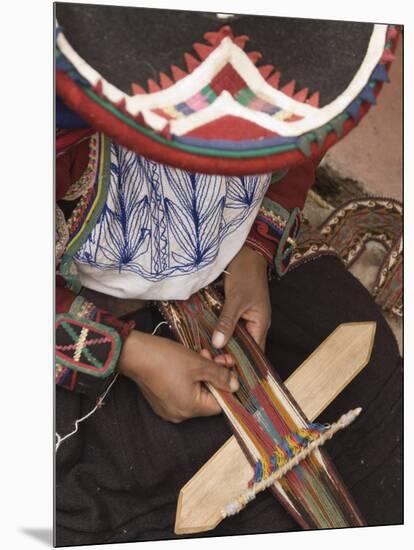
x: 171, y: 376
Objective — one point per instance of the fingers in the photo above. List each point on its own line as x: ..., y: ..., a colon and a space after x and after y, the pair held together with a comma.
x: 225, y: 358
x: 258, y: 332
x: 220, y: 377
x: 226, y: 323
x: 207, y: 405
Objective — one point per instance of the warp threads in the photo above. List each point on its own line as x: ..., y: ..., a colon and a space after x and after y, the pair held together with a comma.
x: 238, y: 504
x: 276, y: 438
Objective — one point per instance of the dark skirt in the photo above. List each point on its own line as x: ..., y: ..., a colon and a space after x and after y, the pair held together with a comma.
x: 118, y: 478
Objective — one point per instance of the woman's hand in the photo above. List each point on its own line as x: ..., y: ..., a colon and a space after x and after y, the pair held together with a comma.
x: 246, y: 293
x: 171, y: 376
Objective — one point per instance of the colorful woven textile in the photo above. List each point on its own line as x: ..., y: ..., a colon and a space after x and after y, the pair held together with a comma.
x: 346, y: 232
x: 271, y: 429
x: 85, y: 346
x: 88, y: 344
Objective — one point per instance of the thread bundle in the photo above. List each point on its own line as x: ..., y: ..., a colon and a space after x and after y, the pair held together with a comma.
x: 280, y: 444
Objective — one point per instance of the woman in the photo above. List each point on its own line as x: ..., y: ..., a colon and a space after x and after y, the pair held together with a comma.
x: 142, y: 219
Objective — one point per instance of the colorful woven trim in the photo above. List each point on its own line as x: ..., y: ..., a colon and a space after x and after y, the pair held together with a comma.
x: 345, y: 234
x: 95, y: 183
x: 92, y: 191
x: 61, y: 233
x: 83, y: 309
x: 88, y: 342
x: 86, y: 346
x: 180, y: 124
x: 273, y: 234
x: 83, y: 185
x: 388, y: 288
x: 229, y: 80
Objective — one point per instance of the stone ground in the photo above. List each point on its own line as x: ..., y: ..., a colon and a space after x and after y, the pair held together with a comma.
x: 367, y: 161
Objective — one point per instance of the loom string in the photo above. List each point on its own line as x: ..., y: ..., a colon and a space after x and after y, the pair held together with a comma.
x: 317, y: 493
x: 257, y: 411
x: 265, y: 410
x: 314, y: 490
x: 244, y: 498
x: 320, y: 480
x: 301, y: 478
x: 294, y: 480
x: 331, y: 511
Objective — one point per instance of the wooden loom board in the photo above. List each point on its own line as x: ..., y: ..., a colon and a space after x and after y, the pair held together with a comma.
x: 314, y: 385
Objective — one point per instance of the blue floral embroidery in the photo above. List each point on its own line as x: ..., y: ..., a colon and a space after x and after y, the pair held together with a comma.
x: 161, y: 222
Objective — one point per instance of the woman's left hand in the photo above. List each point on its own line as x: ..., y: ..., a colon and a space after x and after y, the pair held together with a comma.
x: 246, y: 293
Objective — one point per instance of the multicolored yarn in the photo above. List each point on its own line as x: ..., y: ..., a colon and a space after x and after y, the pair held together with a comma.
x: 270, y: 428
x: 302, y: 450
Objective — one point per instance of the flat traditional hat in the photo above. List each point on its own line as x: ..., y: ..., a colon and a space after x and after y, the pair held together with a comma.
x: 253, y: 95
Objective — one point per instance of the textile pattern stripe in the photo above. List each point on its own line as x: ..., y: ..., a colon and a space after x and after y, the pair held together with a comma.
x: 85, y: 346
x: 267, y: 423
x: 207, y: 95
x: 346, y: 232
x: 85, y: 215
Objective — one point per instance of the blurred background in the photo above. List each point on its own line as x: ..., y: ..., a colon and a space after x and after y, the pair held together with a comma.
x: 372, y: 153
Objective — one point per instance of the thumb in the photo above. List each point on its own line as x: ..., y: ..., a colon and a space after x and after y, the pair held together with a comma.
x: 206, y: 404
x: 222, y: 378
x: 226, y: 323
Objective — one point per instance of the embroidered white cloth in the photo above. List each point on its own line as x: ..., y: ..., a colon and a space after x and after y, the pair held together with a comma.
x: 165, y: 233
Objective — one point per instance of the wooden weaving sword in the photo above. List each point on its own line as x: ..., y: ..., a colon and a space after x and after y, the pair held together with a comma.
x: 314, y: 385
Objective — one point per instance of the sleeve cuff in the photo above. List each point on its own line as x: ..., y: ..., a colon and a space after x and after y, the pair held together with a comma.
x: 88, y: 345
x: 274, y: 232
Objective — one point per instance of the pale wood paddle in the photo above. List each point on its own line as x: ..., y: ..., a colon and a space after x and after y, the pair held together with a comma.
x: 314, y: 385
